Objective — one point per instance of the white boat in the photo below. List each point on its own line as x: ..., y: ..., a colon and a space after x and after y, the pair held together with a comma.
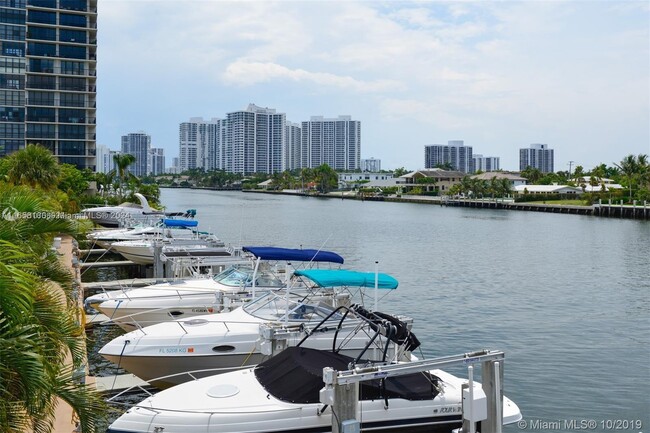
x: 113, y: 216
x: 230, y: 340
x: 282, y: 395
x: 159, y: 303
x: 165, y: 228
x: 135, y: 308
x: 141, y: 251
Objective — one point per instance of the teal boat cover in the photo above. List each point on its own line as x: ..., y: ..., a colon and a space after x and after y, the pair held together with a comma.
x: 342, y: 277
x: 179, y: 223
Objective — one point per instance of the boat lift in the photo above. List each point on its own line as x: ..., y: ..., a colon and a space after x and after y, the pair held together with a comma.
x: 484, y: 404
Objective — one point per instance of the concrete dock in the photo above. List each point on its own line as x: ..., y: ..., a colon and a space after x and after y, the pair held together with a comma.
x: 64, y: 416
x: 106, y: 264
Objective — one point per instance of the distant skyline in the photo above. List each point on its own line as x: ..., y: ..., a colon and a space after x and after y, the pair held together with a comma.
x: 498, y: 75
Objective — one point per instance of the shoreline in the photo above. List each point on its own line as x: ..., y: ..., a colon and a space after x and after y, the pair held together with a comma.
x: 611, y: 210
x: 608, y: 210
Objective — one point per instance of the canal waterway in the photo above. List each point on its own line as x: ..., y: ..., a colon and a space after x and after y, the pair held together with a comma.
x: 567, y: 297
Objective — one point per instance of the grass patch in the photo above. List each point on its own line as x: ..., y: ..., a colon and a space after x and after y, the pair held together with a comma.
x: 562, y: 202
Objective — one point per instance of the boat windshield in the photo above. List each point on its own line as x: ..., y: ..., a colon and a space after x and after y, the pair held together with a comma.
x: 274, y: 307
x: 243, y: 277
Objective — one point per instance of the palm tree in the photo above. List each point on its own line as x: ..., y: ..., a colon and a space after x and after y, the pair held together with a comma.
x: 465, y: 185
x: 306, y: 177
x: 532, y: 174
x: 39, y: 323
x: 122, y: 163
x: 505, y: 187
x: 326, y: 178
x: 629, y: 166
x: 644, y: 169
x: 34, y: 166
x: 578, y: 173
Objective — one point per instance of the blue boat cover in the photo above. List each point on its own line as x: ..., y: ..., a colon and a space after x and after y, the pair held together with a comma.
x: 288, y: 254
x: 342, y: 277
x: 180, y: 223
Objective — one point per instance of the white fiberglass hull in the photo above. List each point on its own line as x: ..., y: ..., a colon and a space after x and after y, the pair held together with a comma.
x: 151, y: 305
x: 224, y: 341
x: 237, y: 403
x: 140, y: 253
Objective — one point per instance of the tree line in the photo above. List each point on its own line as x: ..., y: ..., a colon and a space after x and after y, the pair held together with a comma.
x: 40, y: 323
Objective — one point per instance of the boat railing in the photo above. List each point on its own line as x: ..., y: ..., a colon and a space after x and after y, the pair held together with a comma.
x: 192, y: 375
x: 131, y: 319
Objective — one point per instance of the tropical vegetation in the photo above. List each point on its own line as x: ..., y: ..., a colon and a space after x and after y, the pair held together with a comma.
x: 632, y: 172
x: 473, y: 187
x: 42, y: 344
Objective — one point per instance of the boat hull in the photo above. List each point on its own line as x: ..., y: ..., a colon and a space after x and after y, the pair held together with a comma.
x: 140, y: 254
x: 154, y: 369
x: 132, y: 318
x: 172, y: 363
x: 237, y: 403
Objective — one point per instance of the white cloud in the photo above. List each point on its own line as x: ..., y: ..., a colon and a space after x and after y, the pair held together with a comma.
x: 504, y: 71
x: 249, y: 73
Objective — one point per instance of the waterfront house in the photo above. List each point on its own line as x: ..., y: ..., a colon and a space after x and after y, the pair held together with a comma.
x: 431, y: 180
x: 355, y: 180
x: 514, y: 179
x: 547, y: 189
x: 266, y: 184
x: 596, y: 184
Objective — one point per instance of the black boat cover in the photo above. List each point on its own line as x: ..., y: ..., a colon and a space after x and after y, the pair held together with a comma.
x: 295, y: 375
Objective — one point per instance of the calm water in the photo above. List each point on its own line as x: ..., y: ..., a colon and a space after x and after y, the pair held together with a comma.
x: 566, y: 297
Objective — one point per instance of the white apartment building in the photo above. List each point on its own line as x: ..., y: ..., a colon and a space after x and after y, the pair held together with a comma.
x: 454, y: 153
x: 156, y: 163
x: 137, y: 144
x: 104, y: 161
x: 486, y: 163
x: 254, y: 141
x: 371, y: 165
x: 335, y: 142
x: 200, y: 144
x: 538, y: 156
x: 260, y: 140
x: 292, y: 147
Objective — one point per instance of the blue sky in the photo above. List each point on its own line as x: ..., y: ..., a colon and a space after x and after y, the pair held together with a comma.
x: 499, y: 75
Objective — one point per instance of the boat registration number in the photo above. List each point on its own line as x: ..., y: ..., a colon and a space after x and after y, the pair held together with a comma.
x: 176, y: 350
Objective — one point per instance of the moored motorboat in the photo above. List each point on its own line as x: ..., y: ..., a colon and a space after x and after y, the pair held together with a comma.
x: 164, y: 228
x: 114, y: 216
x: 232, y: 340
x: 283, y: 394
x: 184, y: 299
x: 141, y: 251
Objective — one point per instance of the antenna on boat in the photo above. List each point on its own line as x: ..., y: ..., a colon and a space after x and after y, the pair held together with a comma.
x: 376, y: 283
x: 257, y: 265
x: 241, y: 227
x: 286, y: 308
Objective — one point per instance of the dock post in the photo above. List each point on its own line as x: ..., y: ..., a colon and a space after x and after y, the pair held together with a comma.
x: 169, y: 270
x: 158, y: 271
x: 466, y: 423
x: 344, y: 409
x: 344, y: 400
x: 492, y: 380
x: 621, y: 209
